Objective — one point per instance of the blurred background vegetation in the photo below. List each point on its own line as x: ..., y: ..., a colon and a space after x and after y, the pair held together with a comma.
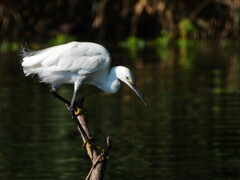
x: 110, y: 21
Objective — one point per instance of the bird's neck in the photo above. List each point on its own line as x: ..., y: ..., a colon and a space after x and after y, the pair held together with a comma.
x: 113, y: 84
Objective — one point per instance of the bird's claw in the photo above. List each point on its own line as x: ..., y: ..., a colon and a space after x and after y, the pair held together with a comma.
x: 88, y: 141
x: 88, y: 144
x: 80, y: 112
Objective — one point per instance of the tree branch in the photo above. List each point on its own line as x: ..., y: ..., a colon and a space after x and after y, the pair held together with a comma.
x: 98, y: 155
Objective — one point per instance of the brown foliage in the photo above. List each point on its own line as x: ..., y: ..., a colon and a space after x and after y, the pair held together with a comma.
x: 109, y: 20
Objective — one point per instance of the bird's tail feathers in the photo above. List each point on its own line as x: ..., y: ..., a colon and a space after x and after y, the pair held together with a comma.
x: 24, y: 51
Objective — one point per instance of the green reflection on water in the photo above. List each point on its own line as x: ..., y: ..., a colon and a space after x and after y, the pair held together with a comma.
x: 189, y: 131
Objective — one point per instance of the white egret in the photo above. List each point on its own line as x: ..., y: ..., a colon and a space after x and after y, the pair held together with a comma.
x: 77, y: 63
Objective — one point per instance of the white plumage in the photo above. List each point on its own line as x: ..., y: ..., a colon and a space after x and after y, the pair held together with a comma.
x: 77, y: 63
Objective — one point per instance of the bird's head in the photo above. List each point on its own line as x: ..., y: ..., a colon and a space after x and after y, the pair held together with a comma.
x: 126, y: 76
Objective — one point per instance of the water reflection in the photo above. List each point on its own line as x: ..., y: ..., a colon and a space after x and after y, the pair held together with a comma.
x: 189, y: 131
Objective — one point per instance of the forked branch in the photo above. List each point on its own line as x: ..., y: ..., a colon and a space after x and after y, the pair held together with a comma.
x: 98, y: 156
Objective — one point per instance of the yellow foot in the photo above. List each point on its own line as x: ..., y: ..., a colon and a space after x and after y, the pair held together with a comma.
x: 80, y: 112
x: 89, y: 144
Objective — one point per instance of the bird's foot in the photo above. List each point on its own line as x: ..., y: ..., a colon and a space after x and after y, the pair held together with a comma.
x: 80, y: 112
x: 88, y: 144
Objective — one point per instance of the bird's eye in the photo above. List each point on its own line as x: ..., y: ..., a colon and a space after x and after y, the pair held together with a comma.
x: 128, y: 79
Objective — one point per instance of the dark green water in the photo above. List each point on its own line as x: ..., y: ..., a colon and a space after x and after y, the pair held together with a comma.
x: 190, y: 130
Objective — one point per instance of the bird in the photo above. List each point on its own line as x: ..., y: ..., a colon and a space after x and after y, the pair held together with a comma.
x: 77, y: 63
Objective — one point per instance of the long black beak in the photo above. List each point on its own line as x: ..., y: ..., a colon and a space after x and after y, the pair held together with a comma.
x: 136, y: 90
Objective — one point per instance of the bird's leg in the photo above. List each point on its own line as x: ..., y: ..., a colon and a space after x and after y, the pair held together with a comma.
x: 55, y: 94
x: 77, y: 106
x: 76, y: 109
x: 73, y: 101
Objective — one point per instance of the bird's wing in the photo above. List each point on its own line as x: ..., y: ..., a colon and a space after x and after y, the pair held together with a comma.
x: 72, y: 57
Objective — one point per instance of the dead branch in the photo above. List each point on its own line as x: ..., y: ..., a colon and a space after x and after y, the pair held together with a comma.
x: 98, y: 155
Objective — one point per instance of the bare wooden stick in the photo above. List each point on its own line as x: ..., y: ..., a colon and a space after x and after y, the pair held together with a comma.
x: 91, y: 170
x: 98, y: 156
x: 99, y: 163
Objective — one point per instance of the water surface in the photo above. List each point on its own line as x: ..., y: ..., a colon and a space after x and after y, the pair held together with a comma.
x: 190, y: 129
